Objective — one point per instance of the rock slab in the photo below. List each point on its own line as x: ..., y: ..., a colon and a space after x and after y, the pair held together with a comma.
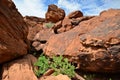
x: 13, y: 32
x: 94, y: 44
x: 20, y: 69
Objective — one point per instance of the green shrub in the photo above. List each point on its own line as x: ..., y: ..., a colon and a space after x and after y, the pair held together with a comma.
x: 49, y: 25
x: 59, y: 64
x: 43, y: 65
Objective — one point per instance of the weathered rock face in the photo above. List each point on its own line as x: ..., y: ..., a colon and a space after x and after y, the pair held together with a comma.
x: 75, y: 14
x: 21, y: 69
x: 13, y: 32
x: 38, y: 32
x: 94, y: 44
x: 54, y: 14
x: 102, y: 45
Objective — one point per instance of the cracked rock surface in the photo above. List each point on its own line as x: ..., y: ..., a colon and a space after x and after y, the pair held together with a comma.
x: 94, y: 44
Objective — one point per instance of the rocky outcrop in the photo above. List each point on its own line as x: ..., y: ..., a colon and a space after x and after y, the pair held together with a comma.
x: 39, y: 33
x: 20, y: 69
x: 54, y: 14
x: 93, y: 44
x: 75, y: 14
x: 13, y: 32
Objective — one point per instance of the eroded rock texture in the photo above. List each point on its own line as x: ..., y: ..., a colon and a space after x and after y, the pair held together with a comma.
x: 38, y: 32
x: 13, y: 32
x: 20, y: 69
x: 94, y: 44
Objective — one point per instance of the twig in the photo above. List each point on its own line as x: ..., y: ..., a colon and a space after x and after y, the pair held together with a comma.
x: 79, y: 77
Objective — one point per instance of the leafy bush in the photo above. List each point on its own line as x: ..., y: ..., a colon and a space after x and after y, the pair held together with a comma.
x: 43, y: 65
x: 49, y: 25
x: 59, y: 64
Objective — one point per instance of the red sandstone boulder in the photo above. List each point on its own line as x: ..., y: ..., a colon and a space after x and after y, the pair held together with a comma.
x: 54, y: 14
x: 13, y: 32
x: 75, y: 14
x: 93, y: 44
x: 20, y: 69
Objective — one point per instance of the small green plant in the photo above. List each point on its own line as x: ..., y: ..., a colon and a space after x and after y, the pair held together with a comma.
x: 49, y: 25
x: 43, y: 65
x: 59, y: 64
